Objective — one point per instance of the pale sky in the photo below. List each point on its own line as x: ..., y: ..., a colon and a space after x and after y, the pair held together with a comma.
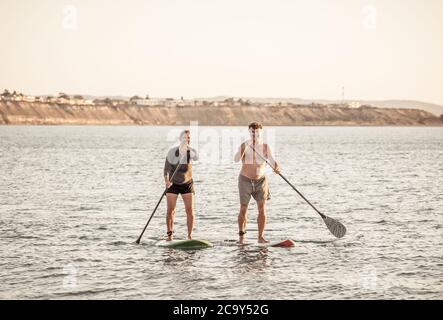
x: 377, y: 49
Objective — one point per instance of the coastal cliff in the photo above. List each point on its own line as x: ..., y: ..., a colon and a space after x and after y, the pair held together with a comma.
x: 37, y: 113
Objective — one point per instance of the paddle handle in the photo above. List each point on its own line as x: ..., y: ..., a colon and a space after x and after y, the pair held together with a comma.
x: 287, y: 181
x: 313, y: 207
x: 155, y: 209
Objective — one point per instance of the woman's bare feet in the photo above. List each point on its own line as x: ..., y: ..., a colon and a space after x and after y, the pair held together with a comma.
x: 170, y: 236
x: 241, y: 237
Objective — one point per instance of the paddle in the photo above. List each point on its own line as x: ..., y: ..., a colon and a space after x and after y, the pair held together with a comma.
x: 159, y: 201
x: 336, y: 228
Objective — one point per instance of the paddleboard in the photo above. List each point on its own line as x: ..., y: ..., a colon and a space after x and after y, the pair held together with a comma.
x: 287, y: 243
x: 185, y: 244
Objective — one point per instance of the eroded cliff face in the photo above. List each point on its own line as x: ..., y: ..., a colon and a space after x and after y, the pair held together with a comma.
x: 53, y: 114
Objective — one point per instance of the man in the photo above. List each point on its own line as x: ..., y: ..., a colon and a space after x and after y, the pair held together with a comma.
x: 179, y: 181
x: 252, y: 180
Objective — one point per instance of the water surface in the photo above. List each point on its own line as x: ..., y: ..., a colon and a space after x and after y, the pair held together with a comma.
x: 74, y: 199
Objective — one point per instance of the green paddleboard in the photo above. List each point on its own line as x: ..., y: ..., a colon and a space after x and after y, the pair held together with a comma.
x: 185, y: 244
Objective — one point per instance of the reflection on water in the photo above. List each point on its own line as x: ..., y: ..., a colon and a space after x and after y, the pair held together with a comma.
x: 256, y: 259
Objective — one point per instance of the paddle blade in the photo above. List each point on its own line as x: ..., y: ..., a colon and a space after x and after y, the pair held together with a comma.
x: 336, y: 228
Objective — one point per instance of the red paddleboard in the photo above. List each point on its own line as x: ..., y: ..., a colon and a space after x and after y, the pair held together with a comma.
x: 288, y: 243
x: 284, y: 244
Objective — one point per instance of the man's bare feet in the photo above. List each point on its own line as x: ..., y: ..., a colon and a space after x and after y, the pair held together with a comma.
x: 189, y: 237
x: 170, y: 236
x: 262, y: 240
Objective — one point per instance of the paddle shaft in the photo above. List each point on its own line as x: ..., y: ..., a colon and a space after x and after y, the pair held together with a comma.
x: 295, y: 189
x: 159, y: 201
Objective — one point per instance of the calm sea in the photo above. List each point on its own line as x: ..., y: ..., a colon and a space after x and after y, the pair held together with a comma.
x: 73, y: 199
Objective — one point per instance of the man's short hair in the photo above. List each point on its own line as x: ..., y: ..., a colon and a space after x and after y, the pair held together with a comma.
x: 184, y: 132
x: 255, y: 125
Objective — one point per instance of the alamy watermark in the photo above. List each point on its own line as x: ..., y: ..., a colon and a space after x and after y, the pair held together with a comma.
x: 368, y: 278
x: 219, y: 145
x: 70, y: 18
x: 70, y: 278
x: 369, y: 17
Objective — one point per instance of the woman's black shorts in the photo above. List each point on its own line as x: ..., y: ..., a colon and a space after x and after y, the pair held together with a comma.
x: 185, y: 188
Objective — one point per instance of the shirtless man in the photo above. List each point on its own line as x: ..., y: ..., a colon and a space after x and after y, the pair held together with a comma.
x: 252, y: 180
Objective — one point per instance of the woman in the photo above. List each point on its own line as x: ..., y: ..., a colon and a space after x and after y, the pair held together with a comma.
x: 178, y: 180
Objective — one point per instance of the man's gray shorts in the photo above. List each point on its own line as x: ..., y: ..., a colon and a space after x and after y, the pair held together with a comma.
x: 258, y: 189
